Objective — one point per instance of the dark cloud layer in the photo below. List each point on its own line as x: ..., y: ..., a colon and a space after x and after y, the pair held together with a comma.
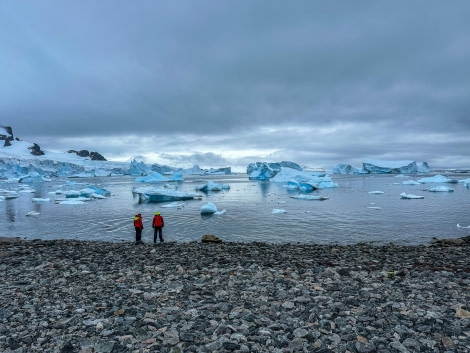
x: 216, y: 82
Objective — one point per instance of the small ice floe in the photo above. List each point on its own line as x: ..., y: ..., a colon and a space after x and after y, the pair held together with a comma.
x: 410, y: 196
x: 281, y: 202
x: 32, y: 214
x: 208, y: 208
x: 39, y: 199
x: 376, y: 192
x: 459, y: 226
x: 410, y: 182
x: 71, y: 202
x: 176, y: 205
x: 441, y: 188
x: 278, y: 211
x: 8, y: 194
x: 374, y: 207
x: 438, y: 179
x: 309, y: 197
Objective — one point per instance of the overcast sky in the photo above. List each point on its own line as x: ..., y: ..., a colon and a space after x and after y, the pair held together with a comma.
x: 227, y: 83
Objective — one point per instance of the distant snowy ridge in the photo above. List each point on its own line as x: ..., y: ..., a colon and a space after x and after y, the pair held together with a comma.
x: 18, y: 163
x: 374, y: 166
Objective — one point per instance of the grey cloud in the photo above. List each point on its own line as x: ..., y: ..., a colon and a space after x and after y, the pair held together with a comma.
x: 221, y: 72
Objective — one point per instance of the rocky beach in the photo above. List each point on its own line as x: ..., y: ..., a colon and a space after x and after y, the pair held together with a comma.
x: 85, y: 296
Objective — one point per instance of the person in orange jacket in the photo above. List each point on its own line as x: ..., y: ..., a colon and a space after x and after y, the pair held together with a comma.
x: 157, y: 225
x: 139, y: 226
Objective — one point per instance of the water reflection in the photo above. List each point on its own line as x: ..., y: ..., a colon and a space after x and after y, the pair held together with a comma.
x: 264, y: 188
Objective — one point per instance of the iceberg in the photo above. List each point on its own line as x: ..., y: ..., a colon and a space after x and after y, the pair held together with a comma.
x: 208, y: 208
x: 375, y: 192
x: 32, y: 214
x: 39, y: 199
x: 374, y: 166
x: 212, y: 186
x: 307, y: 181
x: 163, y: 195
x: 278, y: 211
x: 410, y: 196
x: 176, y: 205
x: 345, y: 169
x: 437, y: 179
x: 440, y: 189
x: 309, y: 197
x: 465, y: 182
x: 154, y: 177
x: 410, y: 182
x: 8, y: 194
x: 267, y: 171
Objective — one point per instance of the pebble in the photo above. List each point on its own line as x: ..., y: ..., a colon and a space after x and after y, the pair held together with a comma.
x: 83, y: 296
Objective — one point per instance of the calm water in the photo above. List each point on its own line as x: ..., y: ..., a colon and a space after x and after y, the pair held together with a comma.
x: 345, y: 218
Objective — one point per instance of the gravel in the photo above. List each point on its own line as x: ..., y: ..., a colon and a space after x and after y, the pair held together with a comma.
x: 81, y: 296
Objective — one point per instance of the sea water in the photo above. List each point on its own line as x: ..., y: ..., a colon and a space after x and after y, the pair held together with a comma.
x: 351, y: 214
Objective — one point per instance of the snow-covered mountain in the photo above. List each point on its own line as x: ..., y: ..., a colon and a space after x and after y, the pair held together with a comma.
x: 26, y: 161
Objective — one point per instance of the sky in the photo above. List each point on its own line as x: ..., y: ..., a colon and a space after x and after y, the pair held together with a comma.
x: 228, y: 83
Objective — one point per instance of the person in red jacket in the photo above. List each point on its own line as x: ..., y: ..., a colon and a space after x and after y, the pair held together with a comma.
x: 139, y: 226
x: 157, y: 225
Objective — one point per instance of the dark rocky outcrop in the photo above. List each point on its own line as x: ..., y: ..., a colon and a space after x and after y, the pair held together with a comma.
x: 6, y: 135
x: 94, y: 156
x: 36, y: 150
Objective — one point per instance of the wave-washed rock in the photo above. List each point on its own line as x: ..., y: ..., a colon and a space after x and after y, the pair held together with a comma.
x: 73, y: 296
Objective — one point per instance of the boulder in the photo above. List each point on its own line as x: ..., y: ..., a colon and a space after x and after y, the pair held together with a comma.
x: 210, y: 238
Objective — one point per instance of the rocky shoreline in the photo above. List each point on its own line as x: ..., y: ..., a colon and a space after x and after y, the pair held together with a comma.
x: 75, y: 296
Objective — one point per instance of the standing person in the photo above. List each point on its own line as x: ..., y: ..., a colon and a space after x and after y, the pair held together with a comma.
x: 157, y: 225
x: 139, y: 226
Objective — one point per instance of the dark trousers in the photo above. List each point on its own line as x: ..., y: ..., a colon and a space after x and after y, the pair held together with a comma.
x: 157, y: 232
x: 138, y: 234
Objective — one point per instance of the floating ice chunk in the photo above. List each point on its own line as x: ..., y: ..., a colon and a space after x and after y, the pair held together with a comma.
x: 466, y: 182
x: 212, y: 186
x: 459, y: 226
x: 163, y: 195
x: 221, y: 212
x: 33, y: 177
x: 71, y: 202
x: 32, y: 214
x: 94, y: 190
x: 208, y: 208
x: 278, y: 211
x: 8, y: 194
x: 410, y: 182
x: 309, y: 197
x: 374, y: 207
x: 376, y: 192
x: 174, y: 205
x: 39, y: 199
x: 410, y: 196
x: 155, y: 177
x: 441, y: 188
x: 437, y: 179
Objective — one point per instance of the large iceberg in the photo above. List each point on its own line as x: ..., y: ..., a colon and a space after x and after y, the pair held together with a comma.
x: 267, y: 171
x: 290, y: 173
x: 375, y: 166
x: 150, y: 194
